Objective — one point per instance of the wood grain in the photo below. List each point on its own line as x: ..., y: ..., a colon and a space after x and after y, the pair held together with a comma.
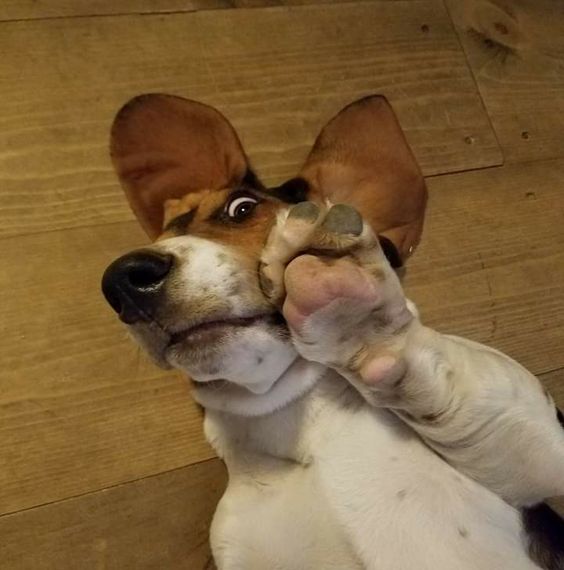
x: 40, y: 9
x: 80, y: 407
x: 64, y: 79
x: 158, y: 523
x: 491, y: 264
x: 516, y: 51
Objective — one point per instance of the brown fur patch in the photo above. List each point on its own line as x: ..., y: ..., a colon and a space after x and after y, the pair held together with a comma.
x: 247, y: 236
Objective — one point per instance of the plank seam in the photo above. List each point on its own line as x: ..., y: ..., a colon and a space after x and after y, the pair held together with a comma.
x: 476, y: 84
x: 109, y: 488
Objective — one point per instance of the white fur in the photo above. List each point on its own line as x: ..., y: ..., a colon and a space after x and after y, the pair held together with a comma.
x: 329, y: 482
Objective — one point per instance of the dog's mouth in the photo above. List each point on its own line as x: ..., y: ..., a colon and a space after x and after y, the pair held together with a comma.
x: 210, y: 385
x: 209, y: 332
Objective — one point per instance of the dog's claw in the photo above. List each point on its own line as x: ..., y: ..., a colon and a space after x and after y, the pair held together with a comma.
x: 266, y: 284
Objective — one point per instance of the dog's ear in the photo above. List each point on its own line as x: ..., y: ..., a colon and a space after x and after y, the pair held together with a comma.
x: 361, y: 157
x: 164, y: 147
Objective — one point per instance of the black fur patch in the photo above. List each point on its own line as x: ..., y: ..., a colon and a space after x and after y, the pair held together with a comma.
x: 251, y: 180
x: 179, y: 225
x: 390, y: 251
x: 292, y: 191
x: 545, y: 529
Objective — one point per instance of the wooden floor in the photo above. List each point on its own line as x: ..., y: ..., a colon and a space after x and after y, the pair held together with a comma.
x: 102, y: 460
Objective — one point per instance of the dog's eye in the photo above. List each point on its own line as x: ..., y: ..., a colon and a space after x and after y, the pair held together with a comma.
x: 241, y: 207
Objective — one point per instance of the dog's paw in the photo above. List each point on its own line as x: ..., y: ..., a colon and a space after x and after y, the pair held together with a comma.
x: 341, y: 299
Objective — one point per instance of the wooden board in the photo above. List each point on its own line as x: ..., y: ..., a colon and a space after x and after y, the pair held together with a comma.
x: 516, y: 51
x: 36, y: 9
x: 491, y: 264
x: 64, y: 79
x: 80, y: 407
x: 158, y: 523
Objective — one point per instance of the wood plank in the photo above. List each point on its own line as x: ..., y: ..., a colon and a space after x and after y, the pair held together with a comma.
x: 491, y: 265
x: 160, y: 522
x: 516, y: 51
x: 80, y: 408
x: 64, y: 79
x: 40, y: 9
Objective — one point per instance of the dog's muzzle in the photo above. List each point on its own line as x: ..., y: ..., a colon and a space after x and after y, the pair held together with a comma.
x: 134, y: 283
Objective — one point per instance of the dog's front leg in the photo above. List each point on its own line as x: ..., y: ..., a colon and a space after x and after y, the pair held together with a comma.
x: 346, y: 309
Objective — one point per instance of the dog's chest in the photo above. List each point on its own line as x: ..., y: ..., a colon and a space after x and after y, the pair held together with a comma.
x: 330, y: 483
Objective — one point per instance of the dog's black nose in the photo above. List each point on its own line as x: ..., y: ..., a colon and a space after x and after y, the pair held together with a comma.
x: 133, y: 283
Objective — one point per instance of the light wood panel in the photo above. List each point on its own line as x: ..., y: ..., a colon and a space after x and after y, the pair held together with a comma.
x: 516, y: 51
x: 278, y: 73
x: 158, y: 523
x: 80, y: 407
x: 491, y: 264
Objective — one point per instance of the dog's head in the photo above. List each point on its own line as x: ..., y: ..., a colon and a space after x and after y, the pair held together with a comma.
x: 192, y: 298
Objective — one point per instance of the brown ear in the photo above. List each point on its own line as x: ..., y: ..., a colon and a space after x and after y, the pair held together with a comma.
x: 163, y: 147
x: 361, y: 157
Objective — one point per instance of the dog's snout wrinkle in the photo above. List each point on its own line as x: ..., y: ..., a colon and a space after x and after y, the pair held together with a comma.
x: 133, y: 283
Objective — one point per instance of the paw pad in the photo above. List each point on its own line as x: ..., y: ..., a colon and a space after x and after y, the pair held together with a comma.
x: 307, y: 211
x: 343, y: 219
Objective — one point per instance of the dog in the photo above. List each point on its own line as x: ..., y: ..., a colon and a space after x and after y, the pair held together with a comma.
x: 354, y: 436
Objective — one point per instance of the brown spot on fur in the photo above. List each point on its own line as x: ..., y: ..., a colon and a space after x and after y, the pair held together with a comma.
x: 357, y: 359
x: 376, y: 272
x: 247, y: 237
x: 398, y: 383
x: 463, y: 532
x: 266, y: 285
x: 401, y: 494
x: 434, y: 417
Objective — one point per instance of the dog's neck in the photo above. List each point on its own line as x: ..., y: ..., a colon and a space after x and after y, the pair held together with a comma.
x: 295, y: 381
